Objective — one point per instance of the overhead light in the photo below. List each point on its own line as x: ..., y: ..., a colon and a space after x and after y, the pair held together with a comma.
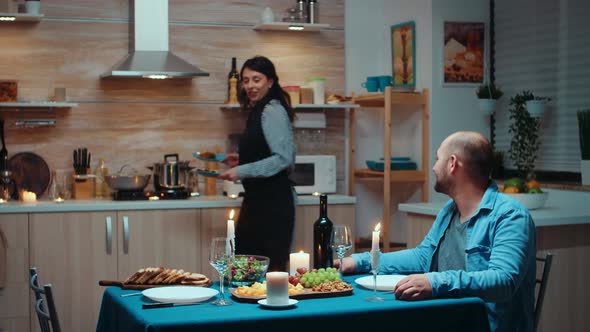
x: 157, y: 76
x: 296, y: 27
x: 7, y: 18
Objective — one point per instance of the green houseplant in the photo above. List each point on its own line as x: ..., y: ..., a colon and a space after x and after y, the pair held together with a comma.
x: 584, y: 135
x: 525, y: 138
x: 487, y: 95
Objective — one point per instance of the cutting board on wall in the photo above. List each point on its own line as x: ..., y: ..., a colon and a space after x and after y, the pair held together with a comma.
x: 30, y: 172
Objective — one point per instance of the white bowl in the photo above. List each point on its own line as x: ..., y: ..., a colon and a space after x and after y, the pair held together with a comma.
x: 531, y: 201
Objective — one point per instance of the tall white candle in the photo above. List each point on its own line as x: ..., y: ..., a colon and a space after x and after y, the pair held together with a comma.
x: 297, y: 260
x: 375, y: 240
x: 231, y: 226
x: 277, y: 288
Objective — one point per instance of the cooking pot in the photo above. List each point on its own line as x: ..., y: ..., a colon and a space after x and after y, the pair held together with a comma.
x: 171, y: 174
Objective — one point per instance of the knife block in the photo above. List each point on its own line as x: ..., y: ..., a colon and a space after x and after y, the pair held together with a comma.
x: 83, y: 187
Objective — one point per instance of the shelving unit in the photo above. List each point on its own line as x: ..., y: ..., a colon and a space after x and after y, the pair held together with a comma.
x: 38, y: 104
x: 303, y: 106
x: 388, y: 100
x: 20, y: 17
x: 291, y: 26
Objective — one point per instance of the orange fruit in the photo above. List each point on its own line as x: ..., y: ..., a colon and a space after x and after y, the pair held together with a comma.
x: 533, y: 184
x: 511, y: 190
x: 501, y: 190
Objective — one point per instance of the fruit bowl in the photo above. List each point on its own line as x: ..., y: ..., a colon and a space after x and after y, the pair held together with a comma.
x: 531, y: 201
x: 248, y: 269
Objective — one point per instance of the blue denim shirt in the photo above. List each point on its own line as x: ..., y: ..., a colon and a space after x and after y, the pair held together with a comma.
x: 499, y: 260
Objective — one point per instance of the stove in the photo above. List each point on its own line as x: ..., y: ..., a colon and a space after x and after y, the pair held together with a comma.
x: 147, y: 195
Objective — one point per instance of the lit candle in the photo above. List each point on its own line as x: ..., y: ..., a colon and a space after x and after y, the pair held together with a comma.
x: 277, y: 288
x: 2, y: 201
x: 29, y: 197
x: 59, y: 200
x: 230, y: 226
x: 297, y: 260
x: 375, y: 242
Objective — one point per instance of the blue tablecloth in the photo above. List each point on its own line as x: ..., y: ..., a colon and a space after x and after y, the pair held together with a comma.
x: 348, y: 313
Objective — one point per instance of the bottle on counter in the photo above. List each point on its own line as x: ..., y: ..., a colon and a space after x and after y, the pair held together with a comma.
x: 53, y: 191
x: 101, y: 189
x: 233, y: 81
x: 322, y: 237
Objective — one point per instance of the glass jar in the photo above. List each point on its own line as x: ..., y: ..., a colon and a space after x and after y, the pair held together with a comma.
x: 294, y: 93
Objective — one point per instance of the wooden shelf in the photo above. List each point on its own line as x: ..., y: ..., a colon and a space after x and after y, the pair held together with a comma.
x: 20, y: 17
x: 303, y: 106
x: 396, y: 176
x: 39, y: 104
x: 291, y: 26
x: 397, y: 98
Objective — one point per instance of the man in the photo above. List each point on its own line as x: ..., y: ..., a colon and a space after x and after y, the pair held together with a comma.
x: 482, y: 243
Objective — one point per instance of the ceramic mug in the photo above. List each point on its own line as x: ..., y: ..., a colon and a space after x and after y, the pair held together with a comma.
x: 385, y: 80
x: 372, y: 84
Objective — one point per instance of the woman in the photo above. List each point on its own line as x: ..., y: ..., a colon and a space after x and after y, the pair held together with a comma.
x: 266, y: 155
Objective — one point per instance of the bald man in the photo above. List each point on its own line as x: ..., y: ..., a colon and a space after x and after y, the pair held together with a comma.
x: 482, y: 243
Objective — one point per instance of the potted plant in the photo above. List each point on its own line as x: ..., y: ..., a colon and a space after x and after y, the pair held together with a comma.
x: 584, y: 134
x: 525, y: 138
x: 487, y: 95
x: 536, y: 106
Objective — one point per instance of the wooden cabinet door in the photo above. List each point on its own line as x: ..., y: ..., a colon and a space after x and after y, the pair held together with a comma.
x: 168, y: 238
x: 14, y: 270
x: 305, y: 217
x: 73, y: 251
x: 213, y: 224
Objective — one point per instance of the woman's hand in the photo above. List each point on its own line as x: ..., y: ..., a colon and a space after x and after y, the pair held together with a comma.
x: 232, y: 159
x: 231, y: 174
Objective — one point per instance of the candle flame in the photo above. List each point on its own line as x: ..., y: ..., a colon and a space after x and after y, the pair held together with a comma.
x: 231, y: 214
x: 378, y: 227
x: 301, y: 251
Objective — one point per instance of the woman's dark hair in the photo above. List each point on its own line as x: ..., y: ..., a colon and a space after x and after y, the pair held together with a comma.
x: 263, y: 65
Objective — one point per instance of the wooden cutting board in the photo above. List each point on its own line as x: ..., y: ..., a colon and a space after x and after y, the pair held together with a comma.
x: 307, y: 294
x: 142, y: 286
x: 30, y: 172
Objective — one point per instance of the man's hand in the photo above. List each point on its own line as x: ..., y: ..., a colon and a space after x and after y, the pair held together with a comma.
x: 413, y: 287
x: 348, y: 265
x: 231, y: 174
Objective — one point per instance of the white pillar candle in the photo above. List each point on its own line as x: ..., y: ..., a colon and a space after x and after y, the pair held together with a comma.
x: 277, y: 288
x: 231, y: 226
x: 375, y: 241
x: 29, y: 197
x: 297, y: 260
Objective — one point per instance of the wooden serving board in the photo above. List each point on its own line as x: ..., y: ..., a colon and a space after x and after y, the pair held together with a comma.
x: 307, y: 294
x: 142, y: 286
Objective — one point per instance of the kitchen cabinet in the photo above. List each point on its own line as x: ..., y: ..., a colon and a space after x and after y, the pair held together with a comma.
x: 389, y: 101
x: 73, y: 251
x: 15, y: 297
x: 305, y: 217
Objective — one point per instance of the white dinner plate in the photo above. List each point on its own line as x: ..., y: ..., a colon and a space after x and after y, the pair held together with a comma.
x: 384, y: 282
x: 263, y: 303
x: 180, y: 294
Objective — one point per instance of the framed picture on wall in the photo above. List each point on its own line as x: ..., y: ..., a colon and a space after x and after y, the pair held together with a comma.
x: 464, y: 53
x: 403, y: 55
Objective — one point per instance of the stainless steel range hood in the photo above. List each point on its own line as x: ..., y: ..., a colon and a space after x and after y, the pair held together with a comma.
x: 150, y: 57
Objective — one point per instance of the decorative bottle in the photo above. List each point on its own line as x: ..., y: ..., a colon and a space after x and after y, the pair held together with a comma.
x: 101, y: 189
x: 233, y: 79
x: 322, y: 236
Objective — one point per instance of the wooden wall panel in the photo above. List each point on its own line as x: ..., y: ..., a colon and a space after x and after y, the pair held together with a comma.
x: 137, y: 121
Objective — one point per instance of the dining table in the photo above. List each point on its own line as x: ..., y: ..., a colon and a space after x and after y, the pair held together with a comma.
x: 345, y: 313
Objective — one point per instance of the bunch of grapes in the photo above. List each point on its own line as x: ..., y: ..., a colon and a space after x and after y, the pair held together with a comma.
x: 319, y: 276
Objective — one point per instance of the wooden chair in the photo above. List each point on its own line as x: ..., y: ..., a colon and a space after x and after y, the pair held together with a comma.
x: 542, y: 285
x: 47, y: 316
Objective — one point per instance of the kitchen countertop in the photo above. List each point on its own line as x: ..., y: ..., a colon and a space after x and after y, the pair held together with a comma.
x: 202, y: 202
x: 556, y: 212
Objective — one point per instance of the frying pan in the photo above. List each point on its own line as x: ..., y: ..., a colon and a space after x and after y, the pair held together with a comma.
x: 127, y: 182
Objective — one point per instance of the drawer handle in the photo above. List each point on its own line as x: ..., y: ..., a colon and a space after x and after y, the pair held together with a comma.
x: 109, y: 225
x: 125, y: 234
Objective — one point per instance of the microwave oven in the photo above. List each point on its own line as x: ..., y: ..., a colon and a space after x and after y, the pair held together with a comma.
x: 314, y: 173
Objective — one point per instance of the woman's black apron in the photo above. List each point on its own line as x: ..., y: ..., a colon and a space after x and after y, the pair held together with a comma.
x: 267, y: 215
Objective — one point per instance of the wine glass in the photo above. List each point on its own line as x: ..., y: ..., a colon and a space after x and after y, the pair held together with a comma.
x: 341, y: 242
x: 374, y: 271
x: 221, y: 259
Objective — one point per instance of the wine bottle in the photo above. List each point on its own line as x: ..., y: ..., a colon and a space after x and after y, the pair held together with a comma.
x: 233, y: 79
x: 322, y: 236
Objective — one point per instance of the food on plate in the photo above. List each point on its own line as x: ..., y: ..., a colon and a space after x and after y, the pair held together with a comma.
x: 316, y: 277
x: 333, y: 99
x: 249, y: 268
x: 259, y: 289
x: 334, y: 286
x: 166, y: 276
x: 207, y: 155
